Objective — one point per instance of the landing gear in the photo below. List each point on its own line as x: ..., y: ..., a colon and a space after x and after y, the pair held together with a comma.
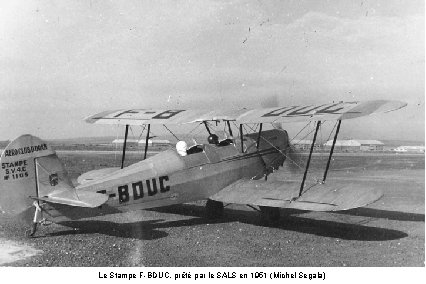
x: 214, y: 209
x: 270, y: 215
x: 37, y: 215
x: 31, y: 232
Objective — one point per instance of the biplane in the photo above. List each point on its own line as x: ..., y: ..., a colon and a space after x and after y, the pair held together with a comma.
x: 34, y: 182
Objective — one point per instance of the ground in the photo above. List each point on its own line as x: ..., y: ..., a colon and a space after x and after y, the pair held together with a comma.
x: 389, y: 232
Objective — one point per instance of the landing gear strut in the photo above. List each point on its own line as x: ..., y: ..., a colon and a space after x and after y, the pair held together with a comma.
x: 269, y: 215
x: 214, y: 209
x: 37, y: 214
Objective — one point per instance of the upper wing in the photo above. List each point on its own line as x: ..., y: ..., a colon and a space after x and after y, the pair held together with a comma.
x: 163, y: 116
x: 334, y: 111
x: 317, y: 197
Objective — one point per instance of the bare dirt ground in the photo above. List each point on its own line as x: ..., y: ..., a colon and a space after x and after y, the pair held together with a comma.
x: 390, y: 232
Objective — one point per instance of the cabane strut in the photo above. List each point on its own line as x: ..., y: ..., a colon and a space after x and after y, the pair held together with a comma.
x: 123, y: 156
x: 146, y: 141
x: 229, y: 128
x: 258, y: 136
x: 242, y: 140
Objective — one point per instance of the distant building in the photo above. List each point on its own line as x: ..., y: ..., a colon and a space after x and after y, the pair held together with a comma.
x: 354, y: 145
x: 304, y: 145
x: 140, y: 142
x: 412, y: 149
x: 371, y: 145
x: 154, y: 142
x: 129, y: 142
x: 344, y: 145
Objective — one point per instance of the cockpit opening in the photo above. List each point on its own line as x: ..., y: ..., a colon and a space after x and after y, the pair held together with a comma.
x: 183, y: 150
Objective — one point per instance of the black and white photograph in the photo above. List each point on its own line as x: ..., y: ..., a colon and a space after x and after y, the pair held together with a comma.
x: 275, y: 134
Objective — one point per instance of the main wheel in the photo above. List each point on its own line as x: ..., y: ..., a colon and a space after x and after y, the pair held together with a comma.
x: 270, y: 215
x: 214, y: 209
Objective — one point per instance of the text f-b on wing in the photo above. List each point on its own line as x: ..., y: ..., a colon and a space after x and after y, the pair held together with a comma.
x: 164, y: 116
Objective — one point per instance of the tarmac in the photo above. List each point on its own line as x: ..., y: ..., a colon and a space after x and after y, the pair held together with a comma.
x: 387, y: 233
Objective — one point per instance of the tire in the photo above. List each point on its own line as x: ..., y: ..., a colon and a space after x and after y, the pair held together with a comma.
x: 214, y: 209
x: 270, y: 215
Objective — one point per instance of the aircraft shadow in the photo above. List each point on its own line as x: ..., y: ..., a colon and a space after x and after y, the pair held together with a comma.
x: 295, y: 223
x: 150, y: 230
x: 385, y: 214
x: 143, y: 230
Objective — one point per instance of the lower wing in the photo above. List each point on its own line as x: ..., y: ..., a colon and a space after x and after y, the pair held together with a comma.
x: 284, y: 194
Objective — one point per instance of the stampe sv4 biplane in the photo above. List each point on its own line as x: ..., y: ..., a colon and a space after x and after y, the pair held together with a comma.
x: 235, y: 170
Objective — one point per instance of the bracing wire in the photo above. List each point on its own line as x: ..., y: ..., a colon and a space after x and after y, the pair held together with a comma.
x: 300, y: 132
x: 303, y: 138
x: 171, y: 132
x: 116, y: 144
x: 279, y: 150
x: 143, y: 129
x: 331, y: 132
x: 213, y: 126
x: 283, y: 153
x: 131, y: 130
x: 198, y: 125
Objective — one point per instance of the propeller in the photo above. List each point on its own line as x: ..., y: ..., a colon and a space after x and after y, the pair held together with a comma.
x: 294, y: 160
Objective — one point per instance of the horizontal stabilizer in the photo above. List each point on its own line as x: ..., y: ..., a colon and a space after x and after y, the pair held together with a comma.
x: 284, y: 194
x: 82, y: 199
x: 96, y: 174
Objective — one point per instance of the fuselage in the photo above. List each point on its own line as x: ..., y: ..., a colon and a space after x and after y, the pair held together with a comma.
x: 169, y: 178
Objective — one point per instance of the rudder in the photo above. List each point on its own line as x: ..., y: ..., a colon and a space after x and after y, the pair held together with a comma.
x: 29, y: 168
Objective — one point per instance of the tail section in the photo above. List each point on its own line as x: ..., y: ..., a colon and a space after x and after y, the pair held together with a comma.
x: 30, y: 170
x: 18, y: 173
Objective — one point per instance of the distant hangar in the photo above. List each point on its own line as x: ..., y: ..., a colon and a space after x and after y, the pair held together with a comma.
x: 353, y: 145
x: 141, y: 142
x: 350, y: 145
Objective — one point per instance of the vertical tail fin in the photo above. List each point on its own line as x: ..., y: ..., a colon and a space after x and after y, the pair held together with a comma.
x: 29, y: 167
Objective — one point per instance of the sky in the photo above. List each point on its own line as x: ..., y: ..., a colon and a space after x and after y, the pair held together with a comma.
x: 61, y: 61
